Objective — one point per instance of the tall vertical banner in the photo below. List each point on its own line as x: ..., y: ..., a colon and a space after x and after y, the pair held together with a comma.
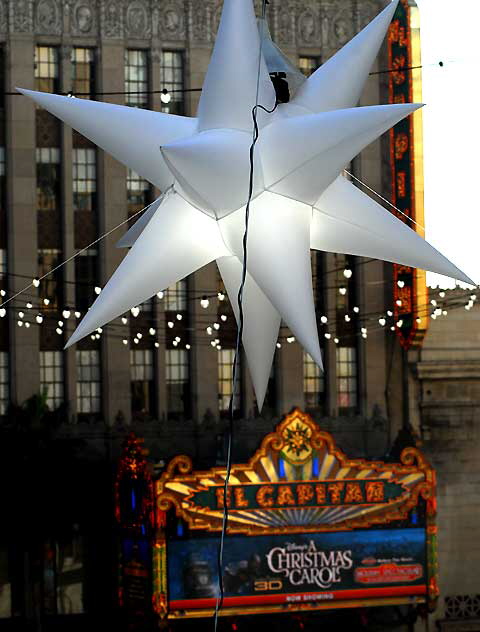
x: 406, y: 161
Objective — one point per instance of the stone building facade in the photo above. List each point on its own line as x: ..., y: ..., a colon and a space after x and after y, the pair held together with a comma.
x: 172, y: 386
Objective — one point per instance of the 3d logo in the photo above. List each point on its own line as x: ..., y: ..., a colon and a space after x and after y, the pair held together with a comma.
x: 300, y: 199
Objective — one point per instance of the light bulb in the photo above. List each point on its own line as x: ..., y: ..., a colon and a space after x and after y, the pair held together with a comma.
x: 77, y: 314
x: 347, y: 273
x: 157, y: 344
x: 216, y: 326
x: 179, y: 317
x: 21, y: 314
x: 347, y: 318
x: 389, y: 313
x: 98, y: 290
x: 324, y: 320
x: 401, y: 284
x: 336, y: 341
x: 3, y: 312
x: 188, y: 347
x: 342, y: 290
x: 175, y: 343
x: 125, y: 341
x: 66, y: 314
x: 356, y: 310
x: 204, y: 302
x: 160, y: 295
x: 165, y: 96
x: 328, y: 336
x: 177, y: 339
x: 279, y: 346
x: 223, y: 318
x: 59, y: 331
x: 124, y: 320
x: 135, y: 311
x: 60, y: 323
x: 46, y: 301
x: 39, y: 319
x: 209, y: 331
x: 35, y: 282
x: 170, y: 324
x: 398, y: 302
x: 20, y: 323
x: 151, y: 331
x: 382, y: 322
x: 27, y: 325
x: 29, y: 305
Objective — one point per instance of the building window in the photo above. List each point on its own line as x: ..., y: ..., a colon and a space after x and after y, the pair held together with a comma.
x: 347, y: 380
x: 172, y: 70
x: 225, y: 383
x: 308, y: 65
x: 48, y: 178
x: 86, y: 264
x: 46, y: 69
x: 4, y: 382
x: 84, y: 179
x: 178, y: 383
x: 313, y: 383
x: 141, y: 381
x: 83, y: 72
x: 3, y: 265
x: 51, y: 288
x: 136, y: 78
x: 63, y: 576
x: 138, y: 190
x: 88, y: 382
x: 176, y: 297
x: 51, y: 377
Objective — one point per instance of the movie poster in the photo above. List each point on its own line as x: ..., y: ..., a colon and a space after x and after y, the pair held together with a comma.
x: 298, y: 568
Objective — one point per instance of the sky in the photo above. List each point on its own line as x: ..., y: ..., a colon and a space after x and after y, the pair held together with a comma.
x: 450, y: 33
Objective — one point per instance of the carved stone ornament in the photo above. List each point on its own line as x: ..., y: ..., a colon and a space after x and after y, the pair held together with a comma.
x: 112, y: 19
x: 21, y: 16
x: 83, y: 18
x: 307, y: 28
x: 172, y: 21
x: 199, y: 21
x: 285, y: 25
x: 48, y: 17
x: 137, y: 20
x: 3, y: 17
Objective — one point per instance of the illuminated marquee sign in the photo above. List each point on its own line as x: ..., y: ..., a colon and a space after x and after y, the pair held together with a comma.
x: 409, y: 288
x: 308, y: 528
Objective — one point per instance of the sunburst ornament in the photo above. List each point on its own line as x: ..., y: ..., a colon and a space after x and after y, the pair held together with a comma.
x: 300, y: 199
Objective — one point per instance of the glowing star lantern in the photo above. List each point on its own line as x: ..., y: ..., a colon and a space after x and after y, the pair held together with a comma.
x: 300, y: 199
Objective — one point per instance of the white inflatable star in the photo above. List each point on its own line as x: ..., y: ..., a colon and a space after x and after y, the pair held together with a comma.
x: 300, y: 199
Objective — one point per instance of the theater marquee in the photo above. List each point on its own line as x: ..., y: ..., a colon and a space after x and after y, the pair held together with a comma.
x: 308, y: 529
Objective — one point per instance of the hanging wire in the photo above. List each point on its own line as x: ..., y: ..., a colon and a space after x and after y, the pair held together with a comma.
x: 236, y: 359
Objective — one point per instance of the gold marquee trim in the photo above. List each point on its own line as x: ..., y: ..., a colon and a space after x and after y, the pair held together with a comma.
x: 296, y: 452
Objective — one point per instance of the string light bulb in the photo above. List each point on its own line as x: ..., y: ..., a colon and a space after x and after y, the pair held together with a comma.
x: 347, y: 273
x: 151, y: 331
x: 98, y: 289
x: 36, y: 282
x: 46, y: 301
x: 165, y: 96
x: 39, y: 319
x: 135, y: 311
x: 160, y: 295
x: 124, y: 320
x: 66, y: 314
x: 204, y: 302
x: 342, y: 290
x: 29, y: 305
